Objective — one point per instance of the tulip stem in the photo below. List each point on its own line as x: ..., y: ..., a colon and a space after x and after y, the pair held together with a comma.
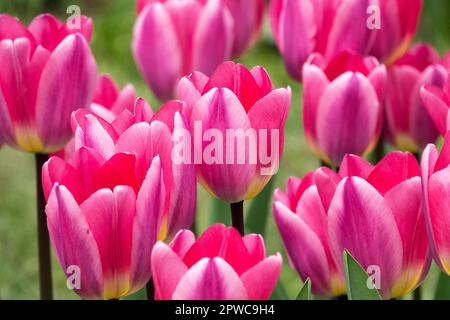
x: 45, y: 267
x: 417, y: 294
x: 237, y: 216
x: 150, y: 287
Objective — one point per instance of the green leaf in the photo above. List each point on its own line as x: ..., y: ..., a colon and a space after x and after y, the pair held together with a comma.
x: 256, y: 218
x: 356, y: 280
x: 305, y: 291
x: 442, y: 288
x: 279, y: 293
x: 220, y: 212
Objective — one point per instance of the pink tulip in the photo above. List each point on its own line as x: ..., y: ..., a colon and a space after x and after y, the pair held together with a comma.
x: 48, y: 71
x: 301, y: 27
x: 436, y: 188
x: 219, y: 265
x: 237, y: 120
x: 375, y: 212
x: 342, y: 105
x: 399, y: 20
x: 436, y: 100
x: 408, y: 124
x: 247, y: 20
x: 173, y: 38
x: 144, y: 137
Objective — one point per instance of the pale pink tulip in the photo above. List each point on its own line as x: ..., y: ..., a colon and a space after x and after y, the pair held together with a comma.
x: 342, y: 110
x: 219, y: 265
x: 48, y: 71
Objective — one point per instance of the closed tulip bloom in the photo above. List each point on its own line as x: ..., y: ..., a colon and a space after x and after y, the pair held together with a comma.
x: 301, y: 27
x: 437, y: 102
x: 408, y: 124
x: 237, y: 120
x: 399, y: 20
x: 374, y: 212
x: 104, y: 220
x: 342, y: 112
x: 219, y: 265
x: 48, y: 71
x: 247, y: 20
x: 173, y: 38
x: 436, y: 188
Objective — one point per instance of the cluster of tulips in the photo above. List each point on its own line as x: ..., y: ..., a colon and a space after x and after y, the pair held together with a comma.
x: 119, y: 204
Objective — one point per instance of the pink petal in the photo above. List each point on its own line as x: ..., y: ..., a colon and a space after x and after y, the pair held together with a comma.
x: 432, y: 98
x: 74, y: 242
x: 353, y: 165
x: 167, y: 269
x: 45, y: 29
x: 213, y: 37
x: 67, y: 83
x: 156, y: 50
x: 182, y: 242
x: 361, y: 222
x: 118, y: 170
x: 262, y: 278
x: 326, y: 181
x: 255, y: 247
x: 190, y: 89
x: 11, y: 28
x: 210, y: 279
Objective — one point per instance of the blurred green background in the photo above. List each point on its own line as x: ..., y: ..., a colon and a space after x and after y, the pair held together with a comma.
x: 113, y: 23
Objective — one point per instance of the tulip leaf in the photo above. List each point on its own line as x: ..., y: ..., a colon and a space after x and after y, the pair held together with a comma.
x: 279, y: 293
x: 443, y: 287
x: 220, y: 212
x: 257, y: 216
x: 305, y: 291
x: 356, y: 279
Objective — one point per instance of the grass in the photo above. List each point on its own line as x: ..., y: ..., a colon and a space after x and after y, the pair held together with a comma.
x: 111, y: 46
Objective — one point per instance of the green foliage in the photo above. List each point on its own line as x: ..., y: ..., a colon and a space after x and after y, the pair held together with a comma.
x: 305, y: 291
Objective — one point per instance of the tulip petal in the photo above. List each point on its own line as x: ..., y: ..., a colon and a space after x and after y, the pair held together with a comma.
x: 67, y: 83
x: 74, y: 242
x: 210, y: 279
x: 355, y: 166
x: 255, y: 247
x: 436, y: 106
x: 182, y: 242
x: 361, y: 222
x: 262, y: 278
x: 167, y: 269
x: 326, y: 181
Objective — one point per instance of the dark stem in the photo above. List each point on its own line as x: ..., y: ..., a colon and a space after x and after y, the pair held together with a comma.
x: 237, y: 216
x: 342, y: 297
x: 45, y: 266
x: 150, y: 290
x: 417, y: 294
x: 417, y: 156
x: 378, y: 153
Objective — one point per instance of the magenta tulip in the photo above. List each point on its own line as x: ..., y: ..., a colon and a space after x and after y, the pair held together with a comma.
x: 436, y: 190
x: 48, y: 71
x: 237, y: 120
x: 374, y: 212
x: 408, y: 124
x: 173, y: 38
x: 301, y: 27
x: 219, y: 265
x: 342, y: 105
x: 247, y: 20
x: 398, y: 23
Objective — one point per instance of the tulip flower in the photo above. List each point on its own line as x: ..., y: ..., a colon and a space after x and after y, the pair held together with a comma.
x: 408, y: 124
x: 247, y: 20
x: 48, y: 71
x: 342, y: 105
x: 103, y: 221
x: 145, y: 139
x: 219, y: 265
x: 435, y: 177
x: 237, y: 120
x: 398, y: 23
x: 173, y: 38
x: 301, y: 27
x: 437, y: 102
x: 374, y: 212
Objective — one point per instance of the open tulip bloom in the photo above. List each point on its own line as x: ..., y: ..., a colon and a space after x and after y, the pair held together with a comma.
x: 408, y: 125
x: 173, y: 38
x: 219, y: 265
x: 237, y: 119
x: 48, y: 71
x: 342, y: 105
x: 374, y: 212
x: 436, y: 191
